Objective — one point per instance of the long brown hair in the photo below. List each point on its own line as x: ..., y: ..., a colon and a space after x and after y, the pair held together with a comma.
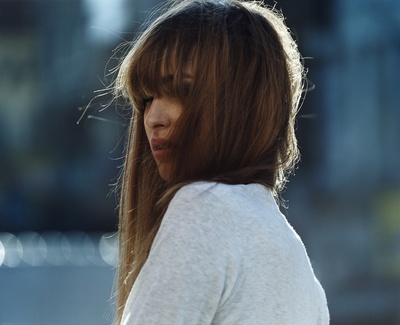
x: 237, y: 127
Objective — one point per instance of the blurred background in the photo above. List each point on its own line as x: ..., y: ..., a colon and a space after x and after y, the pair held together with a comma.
x: 58, y: 212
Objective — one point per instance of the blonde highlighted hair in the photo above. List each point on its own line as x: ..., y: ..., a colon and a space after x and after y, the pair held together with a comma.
x: 237, y: 126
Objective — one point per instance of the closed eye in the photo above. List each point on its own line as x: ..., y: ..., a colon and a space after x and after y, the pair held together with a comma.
x: 147, y: 101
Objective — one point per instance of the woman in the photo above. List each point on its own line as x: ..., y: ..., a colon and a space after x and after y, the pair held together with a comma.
x: 215, y: 87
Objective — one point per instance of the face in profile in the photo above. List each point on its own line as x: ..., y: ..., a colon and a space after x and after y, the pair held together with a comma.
x: 160, y: 117
x: 161, y: 114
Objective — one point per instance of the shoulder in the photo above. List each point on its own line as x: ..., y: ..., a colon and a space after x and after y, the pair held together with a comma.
x: 197, y: 225
x: 221, y: 208
x: 218, y: 195
x: 198, y: 205
x: 246, y: 215
x: 209, y: 213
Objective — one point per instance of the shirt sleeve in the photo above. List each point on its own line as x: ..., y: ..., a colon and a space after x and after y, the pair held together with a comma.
x: 185, y: 276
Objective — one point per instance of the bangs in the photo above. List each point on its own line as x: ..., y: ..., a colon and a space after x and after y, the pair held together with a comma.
x: 163, y: 66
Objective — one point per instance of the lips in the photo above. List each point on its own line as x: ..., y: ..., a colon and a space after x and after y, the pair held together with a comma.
x: 158, y: 144
x: 160, y: 148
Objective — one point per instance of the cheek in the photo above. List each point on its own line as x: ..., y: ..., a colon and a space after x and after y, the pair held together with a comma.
x: 146, y: 129
x: 175, y: 113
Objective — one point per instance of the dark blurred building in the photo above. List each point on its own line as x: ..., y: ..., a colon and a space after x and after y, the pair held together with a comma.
x: 348, y: 185
x: 54, y: 173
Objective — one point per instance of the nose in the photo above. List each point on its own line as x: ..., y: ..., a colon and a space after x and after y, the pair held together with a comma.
x: 156, y: 115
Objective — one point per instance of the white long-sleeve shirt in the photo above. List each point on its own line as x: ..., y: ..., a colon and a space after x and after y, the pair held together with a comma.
x: 225, y: 255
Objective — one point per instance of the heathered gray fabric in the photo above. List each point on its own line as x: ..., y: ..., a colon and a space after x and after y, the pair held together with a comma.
x: 225, y: 255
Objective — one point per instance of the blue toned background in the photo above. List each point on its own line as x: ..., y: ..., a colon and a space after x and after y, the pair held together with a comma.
x: 57, y: 206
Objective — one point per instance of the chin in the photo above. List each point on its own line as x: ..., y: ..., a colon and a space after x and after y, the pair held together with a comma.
x: 165, y: 172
